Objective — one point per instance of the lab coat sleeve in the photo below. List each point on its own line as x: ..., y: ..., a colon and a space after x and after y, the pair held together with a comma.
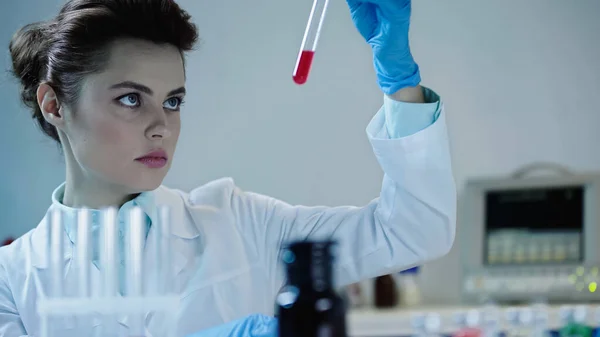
x: 405, y: 119
x: 10, y: 321
x: 411, y: 222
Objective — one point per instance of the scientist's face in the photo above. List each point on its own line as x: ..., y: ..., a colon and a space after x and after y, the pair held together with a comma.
x: 125, y: 126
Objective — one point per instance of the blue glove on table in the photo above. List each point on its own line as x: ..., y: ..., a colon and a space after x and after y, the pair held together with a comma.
x: 384, y: 24
x: 251, y: 326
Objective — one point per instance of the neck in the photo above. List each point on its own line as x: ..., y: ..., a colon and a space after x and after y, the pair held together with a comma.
x: 93, y: 196
x: 86, y: 192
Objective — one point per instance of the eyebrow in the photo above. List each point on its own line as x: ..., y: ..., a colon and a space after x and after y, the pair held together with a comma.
x: 143, y: 88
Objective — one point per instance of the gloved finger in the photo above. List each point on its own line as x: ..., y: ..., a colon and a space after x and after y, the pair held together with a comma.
x: 364, y: 17
x: 264, y: 326
x: 249, y: 326
x: 223, y: 330
x: 400, y: 3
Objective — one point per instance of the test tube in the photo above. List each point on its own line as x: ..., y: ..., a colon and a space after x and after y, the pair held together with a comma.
x: 310, y: 41
x: 109, y: 252
x: 109, y: 262
x: 164, y: 248
x: 57, y: 252
x: 83, y: 251
x: 135, y: 261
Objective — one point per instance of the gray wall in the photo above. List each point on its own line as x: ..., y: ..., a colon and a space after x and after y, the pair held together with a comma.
x: 520, y: 80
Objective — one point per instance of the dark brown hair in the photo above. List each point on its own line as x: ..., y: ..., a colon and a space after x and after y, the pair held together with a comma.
x: 62, y: 51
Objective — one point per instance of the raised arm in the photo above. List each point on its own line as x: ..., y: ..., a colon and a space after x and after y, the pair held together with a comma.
x: 412, y: 221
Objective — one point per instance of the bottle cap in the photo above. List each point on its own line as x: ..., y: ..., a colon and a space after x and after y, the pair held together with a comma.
x: 413, y: 270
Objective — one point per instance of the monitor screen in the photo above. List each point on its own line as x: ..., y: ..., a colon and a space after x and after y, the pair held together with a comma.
x: 534, y: 226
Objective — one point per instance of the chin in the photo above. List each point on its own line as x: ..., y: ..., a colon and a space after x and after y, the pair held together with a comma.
x: 144, y: 179
x: 150, y: 186
x: 145, y: 185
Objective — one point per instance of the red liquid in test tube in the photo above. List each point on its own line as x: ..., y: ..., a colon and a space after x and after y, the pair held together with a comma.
x: 303, y: 67
x: 310, y: 40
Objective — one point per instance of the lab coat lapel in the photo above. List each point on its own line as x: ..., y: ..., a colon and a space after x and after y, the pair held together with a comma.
x: 177, y: 260
x: 182, y: 230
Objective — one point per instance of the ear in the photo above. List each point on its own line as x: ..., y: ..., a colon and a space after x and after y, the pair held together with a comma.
x: 50, y: 106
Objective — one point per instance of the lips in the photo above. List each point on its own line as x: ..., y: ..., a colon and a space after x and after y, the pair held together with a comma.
x: 154, y: 159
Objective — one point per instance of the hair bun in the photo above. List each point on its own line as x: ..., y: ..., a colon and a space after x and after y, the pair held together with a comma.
x: 28, y: 49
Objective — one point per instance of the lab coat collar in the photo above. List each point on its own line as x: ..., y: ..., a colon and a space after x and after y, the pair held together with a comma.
x: 148, y: 202
x: 181, y: 227
x: 69, y: 214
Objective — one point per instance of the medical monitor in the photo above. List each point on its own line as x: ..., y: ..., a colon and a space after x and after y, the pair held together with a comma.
x: 524, y: 239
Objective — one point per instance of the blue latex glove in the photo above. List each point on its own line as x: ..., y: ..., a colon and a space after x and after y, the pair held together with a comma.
x: 251, y: 326
x: 384, y: 24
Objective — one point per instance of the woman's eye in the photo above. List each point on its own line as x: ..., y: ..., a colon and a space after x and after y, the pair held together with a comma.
x: 130, y: 100
x: 173, y: 103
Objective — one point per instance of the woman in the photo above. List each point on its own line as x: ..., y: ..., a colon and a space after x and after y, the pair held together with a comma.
x: 106, y: 79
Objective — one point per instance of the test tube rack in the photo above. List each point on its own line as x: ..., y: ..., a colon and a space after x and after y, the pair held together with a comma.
x: 109, y: 301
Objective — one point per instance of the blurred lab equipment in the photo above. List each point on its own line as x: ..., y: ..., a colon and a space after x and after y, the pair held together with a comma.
x: 468, y: 324
x: 489, y: 320
x: 519, y: 322
x: 526, y: 237
x: 310, y: 40
x: 355, y: 296
x: 96, y: 311
x: 308, y: 305
x: 574, y: 322
x: 426, y: 325
x: 409, y: 292
x: 7, y: 241
x: 386, y: 293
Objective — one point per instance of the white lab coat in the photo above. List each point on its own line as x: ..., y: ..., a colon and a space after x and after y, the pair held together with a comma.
x: 227, y: 241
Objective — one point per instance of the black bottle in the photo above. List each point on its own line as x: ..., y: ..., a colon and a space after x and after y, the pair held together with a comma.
x: 386, y: 294
x: 308, y: 306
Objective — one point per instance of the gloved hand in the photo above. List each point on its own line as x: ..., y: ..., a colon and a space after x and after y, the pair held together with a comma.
x: 251, y: 326
x: 384, y: 24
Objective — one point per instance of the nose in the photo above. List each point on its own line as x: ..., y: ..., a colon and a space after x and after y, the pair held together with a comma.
x: 160, y: 132
x: 159, y: 128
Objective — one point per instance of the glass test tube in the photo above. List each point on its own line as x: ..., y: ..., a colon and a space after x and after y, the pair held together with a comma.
x: 56, y: 252
x: 135, y: 263
x: 164, y: 249
x: 83, y: 252
x: 310, y: 40
x: 109, y: 253
x: 109, y: 258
